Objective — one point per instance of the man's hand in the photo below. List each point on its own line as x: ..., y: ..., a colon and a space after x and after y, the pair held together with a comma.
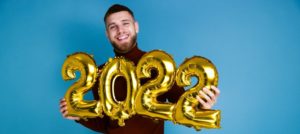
x: 64, y: 110
x: 208, y: 98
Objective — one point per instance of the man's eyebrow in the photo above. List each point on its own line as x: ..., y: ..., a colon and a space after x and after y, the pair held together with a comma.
x: 126, y: 20
x: 110, y: 24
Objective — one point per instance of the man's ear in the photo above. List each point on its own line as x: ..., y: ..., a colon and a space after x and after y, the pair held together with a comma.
x: 136, y: 26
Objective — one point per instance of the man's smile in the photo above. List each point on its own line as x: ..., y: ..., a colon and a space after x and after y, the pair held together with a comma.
x: 122, y: 37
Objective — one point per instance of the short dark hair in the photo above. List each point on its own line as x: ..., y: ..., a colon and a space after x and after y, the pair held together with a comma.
x: 117, y: 8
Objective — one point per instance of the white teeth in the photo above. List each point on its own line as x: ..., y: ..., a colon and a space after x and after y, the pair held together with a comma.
x: 122, y: 37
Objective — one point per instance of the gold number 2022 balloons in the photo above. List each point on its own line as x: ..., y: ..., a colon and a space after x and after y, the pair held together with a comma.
x: 141, y: 99
x: 85, y: 64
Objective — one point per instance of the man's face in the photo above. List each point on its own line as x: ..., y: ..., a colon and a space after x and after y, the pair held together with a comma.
x: 121, y: 30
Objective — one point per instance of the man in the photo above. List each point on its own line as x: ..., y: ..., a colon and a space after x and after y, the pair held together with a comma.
x: 121, y: 30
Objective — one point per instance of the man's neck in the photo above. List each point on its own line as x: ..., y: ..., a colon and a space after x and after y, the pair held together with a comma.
x: 134, y: 54
x: 124, y: 52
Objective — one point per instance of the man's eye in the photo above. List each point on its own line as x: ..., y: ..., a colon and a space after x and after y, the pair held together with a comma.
x: 112, y: 27
x: 126, y: 24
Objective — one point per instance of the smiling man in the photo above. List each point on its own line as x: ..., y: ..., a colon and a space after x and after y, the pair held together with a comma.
x: 121, y: 30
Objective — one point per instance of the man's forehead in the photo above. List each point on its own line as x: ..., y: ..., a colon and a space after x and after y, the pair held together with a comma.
x: 119, y: 16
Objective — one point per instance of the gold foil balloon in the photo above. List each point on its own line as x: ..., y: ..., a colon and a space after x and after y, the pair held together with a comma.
x: 85, y: 64
x: 186, y: 111
x: 118, y: 110
x: 146, y: 100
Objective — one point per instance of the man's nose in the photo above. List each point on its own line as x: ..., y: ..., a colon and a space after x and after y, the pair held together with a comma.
x: 120, y: 29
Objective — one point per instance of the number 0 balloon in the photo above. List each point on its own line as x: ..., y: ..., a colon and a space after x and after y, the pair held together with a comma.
x: 118, y: 110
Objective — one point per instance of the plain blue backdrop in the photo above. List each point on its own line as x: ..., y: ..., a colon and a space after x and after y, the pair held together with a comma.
x: 255, y: 45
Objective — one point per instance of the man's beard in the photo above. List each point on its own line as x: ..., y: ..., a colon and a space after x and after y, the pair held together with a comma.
x: 131, y: 43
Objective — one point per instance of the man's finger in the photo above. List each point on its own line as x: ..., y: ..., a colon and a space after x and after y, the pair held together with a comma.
x: 210, y: 94
x: 63, y: 99
x: 72, y: 118
x: 205, y: 96
x: 204, y: 105
x: 65, y: 114
x: 63, y: 109
x: 63, y: 104
x: 216, y: 90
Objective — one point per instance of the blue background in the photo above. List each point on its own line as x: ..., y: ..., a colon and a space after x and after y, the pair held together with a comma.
x: 255, y: 45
